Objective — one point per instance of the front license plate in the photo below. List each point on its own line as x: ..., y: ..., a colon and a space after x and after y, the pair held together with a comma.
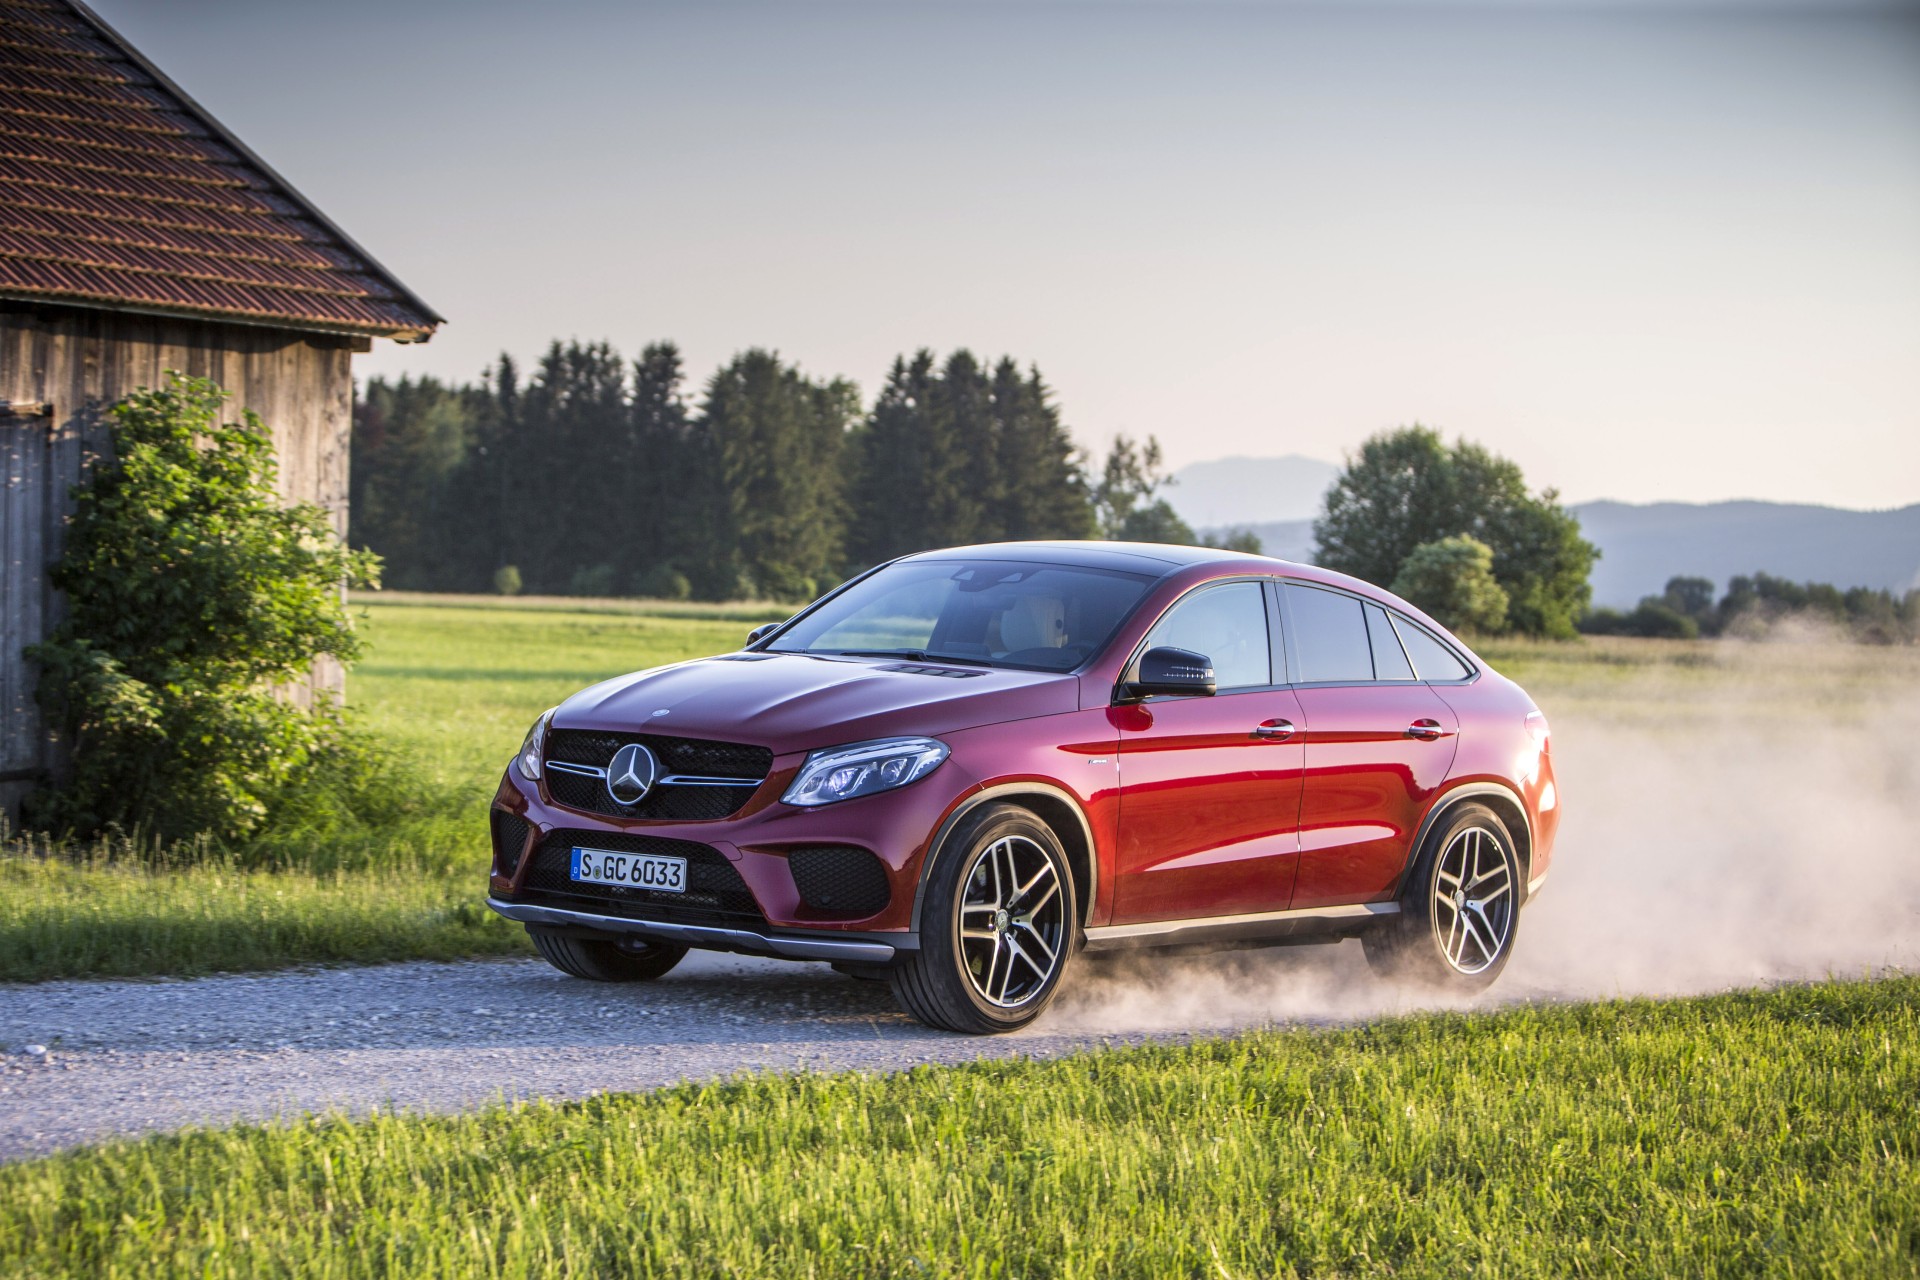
x: 630, y: 870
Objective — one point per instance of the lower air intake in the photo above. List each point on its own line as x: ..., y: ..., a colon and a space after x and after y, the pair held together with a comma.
x: 510, y: 832
x: 841, y: 880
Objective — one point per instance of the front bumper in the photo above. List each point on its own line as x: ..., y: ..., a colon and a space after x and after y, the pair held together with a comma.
x: 709, y: 937
x: 895, y: 827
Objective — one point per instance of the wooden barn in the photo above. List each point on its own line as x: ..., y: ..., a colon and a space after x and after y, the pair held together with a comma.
x: 138, y: 236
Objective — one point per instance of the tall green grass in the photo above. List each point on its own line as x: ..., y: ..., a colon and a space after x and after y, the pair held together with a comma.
x: 1764, y: 1134
x: 389, y: 866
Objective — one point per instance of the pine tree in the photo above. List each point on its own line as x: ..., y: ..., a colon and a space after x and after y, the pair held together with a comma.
x: 889, y: 453
x: 1042, y: 489
x: 411, y: 441
x: 961, y: 482
x: 661, y: 476
x: 777, y: 439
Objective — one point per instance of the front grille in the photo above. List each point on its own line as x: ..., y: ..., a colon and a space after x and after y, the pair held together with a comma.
x: 696, y: 756
x: 715, y: 892
x: 509, y: 839
x: 676, y: 755
x: 840, y: 879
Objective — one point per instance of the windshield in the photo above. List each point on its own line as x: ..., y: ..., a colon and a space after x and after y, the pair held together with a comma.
x: 1040, y: 617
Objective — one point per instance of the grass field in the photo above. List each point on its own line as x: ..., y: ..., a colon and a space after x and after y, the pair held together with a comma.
x: 452, y: 682
x: 451, y: 686
x: 1758, y: 1134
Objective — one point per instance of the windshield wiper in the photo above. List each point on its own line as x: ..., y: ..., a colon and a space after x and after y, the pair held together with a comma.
x: 914, y: 655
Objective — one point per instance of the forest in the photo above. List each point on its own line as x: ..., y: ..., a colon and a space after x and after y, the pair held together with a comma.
x: 598, y: 475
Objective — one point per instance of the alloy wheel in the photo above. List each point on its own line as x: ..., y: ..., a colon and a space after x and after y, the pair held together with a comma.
x: 1013, y: 921
x: 1472, y: 900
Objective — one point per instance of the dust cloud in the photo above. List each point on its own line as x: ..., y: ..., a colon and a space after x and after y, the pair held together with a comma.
x: 1752, y: 817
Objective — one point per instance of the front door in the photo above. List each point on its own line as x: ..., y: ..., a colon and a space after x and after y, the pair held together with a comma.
x: 1210, y: 787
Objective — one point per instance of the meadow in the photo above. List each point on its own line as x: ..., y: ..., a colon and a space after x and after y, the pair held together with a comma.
x: 1757, y: 1133
x: 451, y: 683
x: 449, y: 688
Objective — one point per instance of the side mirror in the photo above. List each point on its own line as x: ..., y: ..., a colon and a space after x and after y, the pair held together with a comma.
x: 1172, y: 673
x: 761, y: 632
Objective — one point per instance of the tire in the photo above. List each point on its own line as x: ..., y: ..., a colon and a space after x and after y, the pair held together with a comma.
x: 1448, y: 936
x: 992, y: 952
x: 598, y: 961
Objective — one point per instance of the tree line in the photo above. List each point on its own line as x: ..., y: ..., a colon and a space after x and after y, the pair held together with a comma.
x: 596, y: 475
x: 1753, y: 606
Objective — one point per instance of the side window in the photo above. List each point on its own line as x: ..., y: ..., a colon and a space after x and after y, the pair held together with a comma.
x: 1431, y: 659
x: 1227, y: 623
x: 1331, y: 632
x: 1389, y: 663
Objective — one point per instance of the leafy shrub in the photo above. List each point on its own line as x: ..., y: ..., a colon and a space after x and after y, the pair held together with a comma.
x: 592, y: 580
x: 193, y: 596
x: 506, y: 580
x: 1651, y: 618
x: 1235, y: 539
x: 664, y: 582
x: 1452, y: 579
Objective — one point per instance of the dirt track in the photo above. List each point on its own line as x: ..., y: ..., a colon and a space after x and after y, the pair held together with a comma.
x: 129, y: 1057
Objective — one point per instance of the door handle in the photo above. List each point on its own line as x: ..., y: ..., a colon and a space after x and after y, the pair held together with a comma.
x: 1427, y: 730
x: 1274, y: 730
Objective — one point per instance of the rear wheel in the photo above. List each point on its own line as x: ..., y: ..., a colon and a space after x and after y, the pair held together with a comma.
x: 600, y: 961
x: 997, y: 927
x: 1461, y: 908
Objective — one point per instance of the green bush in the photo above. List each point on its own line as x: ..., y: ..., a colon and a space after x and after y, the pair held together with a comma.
x: 506, y: 580
x: 1452, y: 579
x: 664, y: 582
x: 591, y: 580
x: 193, y: 596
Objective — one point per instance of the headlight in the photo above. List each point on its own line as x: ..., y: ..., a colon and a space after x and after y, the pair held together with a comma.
x: 529, y: 757
x: 842, y: 773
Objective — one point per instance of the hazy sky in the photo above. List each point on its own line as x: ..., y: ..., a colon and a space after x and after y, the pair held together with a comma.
x: 1648, y: 252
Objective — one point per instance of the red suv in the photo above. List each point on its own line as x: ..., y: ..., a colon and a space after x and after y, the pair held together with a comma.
x: 962, y: 767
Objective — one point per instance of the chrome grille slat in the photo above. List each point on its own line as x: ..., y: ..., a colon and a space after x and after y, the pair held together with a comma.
x: 702, y: 780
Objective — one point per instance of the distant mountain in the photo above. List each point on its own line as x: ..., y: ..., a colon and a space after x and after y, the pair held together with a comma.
x: 1643, y: 546
x: 1239, y: 491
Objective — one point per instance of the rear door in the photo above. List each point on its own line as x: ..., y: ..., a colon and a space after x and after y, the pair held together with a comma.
x: 1378, y: 747
x: 1210, y: 787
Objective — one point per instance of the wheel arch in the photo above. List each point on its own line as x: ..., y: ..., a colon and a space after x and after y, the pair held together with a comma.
x: 1053, y: 806
x: 1497, y: 796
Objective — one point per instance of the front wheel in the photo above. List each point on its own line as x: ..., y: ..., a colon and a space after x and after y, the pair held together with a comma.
x: 601, y: 961
x: 1460, y: 911
x: 997, y: 927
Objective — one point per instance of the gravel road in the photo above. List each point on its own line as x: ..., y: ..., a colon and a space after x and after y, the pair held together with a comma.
x: 131, y: 1057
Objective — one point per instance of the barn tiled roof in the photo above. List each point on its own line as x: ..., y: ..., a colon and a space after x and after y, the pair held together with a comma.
x: 119, y: 191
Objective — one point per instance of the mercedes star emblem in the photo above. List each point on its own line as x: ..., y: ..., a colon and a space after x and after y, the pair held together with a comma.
x: 632, y: 774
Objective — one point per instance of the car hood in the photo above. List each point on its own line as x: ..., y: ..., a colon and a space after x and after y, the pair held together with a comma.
x: 796, y: 702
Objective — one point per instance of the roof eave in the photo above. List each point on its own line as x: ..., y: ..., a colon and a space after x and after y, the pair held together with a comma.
x: 433, y: 318
x: 212, y: 316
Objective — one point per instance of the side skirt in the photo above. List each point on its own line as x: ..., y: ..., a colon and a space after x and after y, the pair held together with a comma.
x: 1264, y: 926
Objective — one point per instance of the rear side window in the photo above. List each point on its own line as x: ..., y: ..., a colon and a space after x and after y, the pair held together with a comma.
x: 1227, y: 623
x: 1331, y: 633
x: 1389, y: 663
x: 1431, y: 659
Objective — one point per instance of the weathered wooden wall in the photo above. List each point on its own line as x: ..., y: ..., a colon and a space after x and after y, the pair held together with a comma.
x: 77, y: 362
